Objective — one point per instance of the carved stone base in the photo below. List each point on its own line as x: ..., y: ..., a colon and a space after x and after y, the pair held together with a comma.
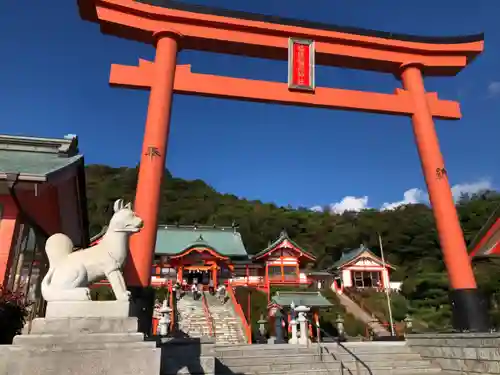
x: 87, y: 309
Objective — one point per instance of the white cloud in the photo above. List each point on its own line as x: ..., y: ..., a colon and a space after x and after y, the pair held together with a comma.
x: 411, y: 196
x: 494, y: 88
x: 350, y: 203
x: 470, y: 188
x: 317, y: 209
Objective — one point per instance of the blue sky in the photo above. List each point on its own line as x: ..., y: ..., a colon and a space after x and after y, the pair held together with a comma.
x: 55, y: 69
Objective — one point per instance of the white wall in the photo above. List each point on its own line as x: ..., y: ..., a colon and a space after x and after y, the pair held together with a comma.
x: 346, y: 278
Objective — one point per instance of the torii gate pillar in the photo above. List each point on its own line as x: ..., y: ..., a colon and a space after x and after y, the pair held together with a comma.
x: 151, y: 171
x: 464, y: 296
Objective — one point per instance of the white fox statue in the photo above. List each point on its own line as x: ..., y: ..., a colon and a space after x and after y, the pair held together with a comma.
x: 70, y: 272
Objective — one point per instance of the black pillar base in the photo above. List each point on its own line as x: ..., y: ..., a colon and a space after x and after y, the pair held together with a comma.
x: 470, y: 310
x: 141, y: 306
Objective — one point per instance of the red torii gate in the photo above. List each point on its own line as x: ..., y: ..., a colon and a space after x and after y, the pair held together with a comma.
x: 171, y: 25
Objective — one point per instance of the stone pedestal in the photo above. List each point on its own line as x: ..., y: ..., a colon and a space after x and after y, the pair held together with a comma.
x: 294, y: 339
x: 88, y: 309
x: 89, y: 341
x: 304, y: 331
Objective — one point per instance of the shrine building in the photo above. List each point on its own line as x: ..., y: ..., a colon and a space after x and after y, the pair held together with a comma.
x: 215, y: 253
x: 42, y: 192
x: 360, y: 268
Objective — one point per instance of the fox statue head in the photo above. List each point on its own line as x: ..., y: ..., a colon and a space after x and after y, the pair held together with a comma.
x: 124, y: 219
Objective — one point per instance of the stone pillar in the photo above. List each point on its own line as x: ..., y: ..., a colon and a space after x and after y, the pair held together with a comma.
x: 294, y: 339
x: 304, y: 331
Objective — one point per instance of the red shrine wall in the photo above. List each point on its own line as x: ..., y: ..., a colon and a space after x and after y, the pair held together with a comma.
x: 8, y: 218
x: 41, y: 204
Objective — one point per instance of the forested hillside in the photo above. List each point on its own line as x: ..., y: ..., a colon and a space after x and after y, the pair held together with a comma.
x: 409, y: 233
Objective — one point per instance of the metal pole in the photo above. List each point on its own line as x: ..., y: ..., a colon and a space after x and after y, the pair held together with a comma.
x: 386, y: 287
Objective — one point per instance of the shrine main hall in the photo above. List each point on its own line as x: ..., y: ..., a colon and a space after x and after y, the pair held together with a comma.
x: 218, y: 254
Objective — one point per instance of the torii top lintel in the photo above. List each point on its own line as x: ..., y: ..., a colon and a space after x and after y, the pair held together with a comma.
x: 249, y: 34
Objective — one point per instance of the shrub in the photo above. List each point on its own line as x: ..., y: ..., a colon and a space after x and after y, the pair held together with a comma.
x: 13, y: 313
x: 102, y: 293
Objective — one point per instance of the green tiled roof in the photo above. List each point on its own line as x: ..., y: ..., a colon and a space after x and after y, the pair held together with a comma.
x: 350, y: 255
x: 283, y: 236
x: 174, y: 240
x: 36, y: 158
x: 34, y: 164
x: 310, y: 299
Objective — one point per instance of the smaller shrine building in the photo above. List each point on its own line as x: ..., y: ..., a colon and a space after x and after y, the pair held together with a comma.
x: 360, y: 268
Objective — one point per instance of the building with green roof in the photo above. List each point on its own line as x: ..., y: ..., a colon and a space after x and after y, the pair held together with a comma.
x: 197, y: 252
x: 218, y: 253
x: 361, y: 268
x: 42, y: 192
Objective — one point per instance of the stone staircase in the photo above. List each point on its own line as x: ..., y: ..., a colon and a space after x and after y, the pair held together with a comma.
x: 361, y: 315
x: 228, y: 329
x: 357, y: 358
x: 192, y: 320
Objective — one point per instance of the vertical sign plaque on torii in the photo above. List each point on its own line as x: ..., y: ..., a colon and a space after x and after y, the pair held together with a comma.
x: 301, y: 64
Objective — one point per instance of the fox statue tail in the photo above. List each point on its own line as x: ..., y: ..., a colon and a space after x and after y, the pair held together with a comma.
x: 57, y: 248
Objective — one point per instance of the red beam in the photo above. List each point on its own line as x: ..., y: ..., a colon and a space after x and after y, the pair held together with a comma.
x: 189, y: 83
x: 223, y: 34
x: 493, y: 231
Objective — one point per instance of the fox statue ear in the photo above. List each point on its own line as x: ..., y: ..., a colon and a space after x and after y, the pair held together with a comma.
x: 128, y: 206
x: 118, y: 205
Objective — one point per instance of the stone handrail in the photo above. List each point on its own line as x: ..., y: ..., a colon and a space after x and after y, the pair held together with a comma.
x: 171, y: 303
x: 208, y: 316
x: 239, y: 311
x: 322, y: 348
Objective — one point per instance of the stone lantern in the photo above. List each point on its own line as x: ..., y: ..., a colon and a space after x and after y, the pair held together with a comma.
x: 164, y: 322
x: 339, y: 323
x: 408, y: 323
x: 262, y: 326
x: 302, y: 319
x: 293, y: 324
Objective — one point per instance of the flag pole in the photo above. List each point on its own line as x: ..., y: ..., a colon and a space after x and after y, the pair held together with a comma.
x: 386, y: 287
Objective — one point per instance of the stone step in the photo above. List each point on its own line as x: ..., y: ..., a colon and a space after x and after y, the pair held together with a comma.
x: 367, y: 347
x: 300, y: 372
x: 278, y: 349
x: 304, y: 358
x: 330, y: 372
x: 83, y: 325
x: 326, y: 368
x: 262, y: 349
x: 377, y: 357
x: 87, y: 346
x: 49, y: 339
